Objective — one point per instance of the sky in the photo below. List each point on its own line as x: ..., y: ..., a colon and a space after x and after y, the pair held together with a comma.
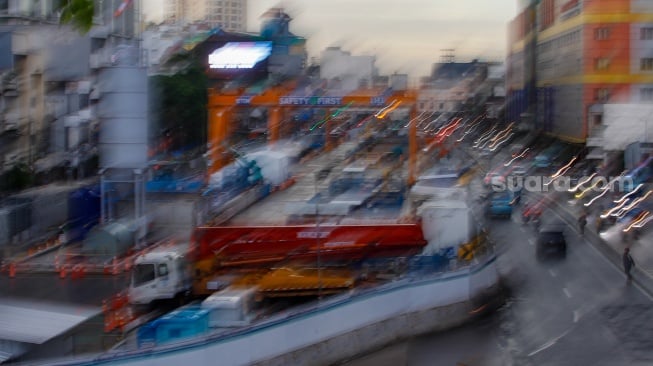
x: 406, y: 36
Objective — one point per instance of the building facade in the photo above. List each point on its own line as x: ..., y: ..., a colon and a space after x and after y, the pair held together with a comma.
x: 229, y: 15
x: 346, y: 72
x: 567, y: 58
x: 450, y: 85
x: 48, y: 82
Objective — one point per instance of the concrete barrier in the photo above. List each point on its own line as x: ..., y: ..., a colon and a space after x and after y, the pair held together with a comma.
x: 337, y: 329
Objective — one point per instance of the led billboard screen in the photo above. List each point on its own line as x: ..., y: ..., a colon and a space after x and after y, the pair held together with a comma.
x: 239, y: 55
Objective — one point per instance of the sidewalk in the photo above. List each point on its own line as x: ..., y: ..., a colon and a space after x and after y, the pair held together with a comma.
x: 611, y: 242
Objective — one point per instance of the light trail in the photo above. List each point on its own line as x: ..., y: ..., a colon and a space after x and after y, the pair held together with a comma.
x: 629, y: 194
x: 564, y: 169
x: 581, y: 183
x: 517, y: 157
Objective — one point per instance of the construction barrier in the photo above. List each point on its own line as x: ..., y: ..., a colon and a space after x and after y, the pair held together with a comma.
x: 114, y: 266
x: 117, y: 312
x: 68, y: 263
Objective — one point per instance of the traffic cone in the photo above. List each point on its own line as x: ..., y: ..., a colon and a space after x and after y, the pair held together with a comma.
x: 12, y: 270
x: 62, y: 272
x: 114, y: 265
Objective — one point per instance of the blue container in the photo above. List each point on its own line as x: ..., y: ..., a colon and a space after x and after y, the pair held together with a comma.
x: 83, y: 212
x: 146, y: 335
x: 180, y: 324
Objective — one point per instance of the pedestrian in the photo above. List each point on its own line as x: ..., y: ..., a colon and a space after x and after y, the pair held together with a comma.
x: 629, y: 263
x: 582, y: 221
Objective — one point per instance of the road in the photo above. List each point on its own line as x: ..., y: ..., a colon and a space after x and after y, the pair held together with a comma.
x: 579, y: 310
x: 49, y: 287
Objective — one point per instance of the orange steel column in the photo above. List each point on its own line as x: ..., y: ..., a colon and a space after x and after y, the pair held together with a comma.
x: 412, y: 146
x: 274, y: 123
x: 218, y: 131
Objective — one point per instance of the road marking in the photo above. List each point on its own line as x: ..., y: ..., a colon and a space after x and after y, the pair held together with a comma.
x: 531, y: 241
x: 553, y: 273
x: 564, y: 289
x: 576, y: 315
x: 549, y: 343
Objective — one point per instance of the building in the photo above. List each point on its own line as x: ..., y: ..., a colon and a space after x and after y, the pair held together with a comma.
x: 48, y: 74
x: 229, y: 15
x: 346, y: 72
x: 450, y: 85
x: 568, y: 58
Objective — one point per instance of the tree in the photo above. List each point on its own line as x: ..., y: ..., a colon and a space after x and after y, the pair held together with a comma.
x: 182, y: 103
x: 78, y: 13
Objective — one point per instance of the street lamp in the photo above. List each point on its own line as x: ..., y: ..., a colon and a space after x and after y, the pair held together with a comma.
x: 316, y: 177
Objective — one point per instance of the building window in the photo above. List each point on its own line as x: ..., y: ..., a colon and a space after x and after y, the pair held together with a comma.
x: 647, y: 33
x: 646, y: 94
x: 601, y: 34
x: 647, y: 64
x: 601, y: 63
x: 602, y: 95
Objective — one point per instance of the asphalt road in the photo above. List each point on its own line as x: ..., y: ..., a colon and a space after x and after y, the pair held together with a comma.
x: 49, y: 287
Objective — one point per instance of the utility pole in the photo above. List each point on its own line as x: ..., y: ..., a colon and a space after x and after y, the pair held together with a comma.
x: 317, y: 238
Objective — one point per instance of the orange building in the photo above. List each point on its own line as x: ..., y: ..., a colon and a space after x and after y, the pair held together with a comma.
x: 567, y: 58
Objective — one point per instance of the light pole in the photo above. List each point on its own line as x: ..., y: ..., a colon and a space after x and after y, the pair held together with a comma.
x: 317, y: 238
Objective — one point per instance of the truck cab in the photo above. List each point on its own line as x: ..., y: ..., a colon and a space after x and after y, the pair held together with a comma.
x: 158, y: 276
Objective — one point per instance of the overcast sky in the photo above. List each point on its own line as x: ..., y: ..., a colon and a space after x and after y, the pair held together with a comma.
x: 407, y: 36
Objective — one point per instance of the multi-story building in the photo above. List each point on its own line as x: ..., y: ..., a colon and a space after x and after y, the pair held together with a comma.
x: 47, y: 74
x: 450, y: 85
x: 229, y: 15
x: 346, y: 72
x: 174, y: 11
x: 567, y: 58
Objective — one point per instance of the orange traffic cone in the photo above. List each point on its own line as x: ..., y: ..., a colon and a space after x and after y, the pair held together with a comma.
x: 12, y: 270
x: 114, y: 266
x: 62, y: 272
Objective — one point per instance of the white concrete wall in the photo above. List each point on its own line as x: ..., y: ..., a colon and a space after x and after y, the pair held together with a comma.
x: 340, y: 328
x: 627, y: 123
x: 639, y: 48
x: 641, y: 6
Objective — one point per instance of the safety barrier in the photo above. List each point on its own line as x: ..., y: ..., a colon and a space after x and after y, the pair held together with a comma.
x: 117, y: 312
x: 67, y: 263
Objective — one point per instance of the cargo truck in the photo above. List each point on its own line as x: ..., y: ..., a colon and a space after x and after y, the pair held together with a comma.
x: 216, y: 253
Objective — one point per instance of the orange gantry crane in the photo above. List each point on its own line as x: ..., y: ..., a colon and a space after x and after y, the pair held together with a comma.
x: 279, y: 99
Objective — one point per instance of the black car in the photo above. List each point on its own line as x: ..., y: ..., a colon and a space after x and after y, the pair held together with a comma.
x: 550, y: 243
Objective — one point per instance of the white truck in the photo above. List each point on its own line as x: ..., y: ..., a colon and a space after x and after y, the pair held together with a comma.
x: 231, y: 307
x: 161, y: 274
x: 447, y: 225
